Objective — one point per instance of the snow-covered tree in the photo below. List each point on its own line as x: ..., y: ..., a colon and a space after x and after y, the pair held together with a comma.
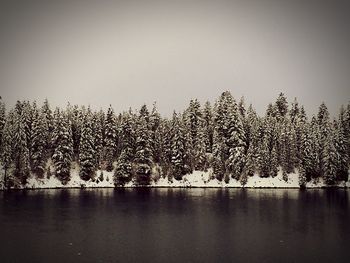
x: 143, y: 154
x: 226, y: 134
x: 98, y: 122
x: 124, y: 169
x: 178, y: 151
x: 330, y: 159
x: 267, y: 151
x: 63, y: 146
x: 38, y: 150
x: 21, y: 151
x: 2, y: 121
x: 287, y: 143
x: 208, y: 126
x: 155, y: 134
x: 235, y: 142
x: 87, y: 150
x: 324, y: 128
x: 111, y: 139
x: 281, y: 106
x: 7, y: 148
x: 76, y: 117
x: 341, y: 146
x: 49, y: 120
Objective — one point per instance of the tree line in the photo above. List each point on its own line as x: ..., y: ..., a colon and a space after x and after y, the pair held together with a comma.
x: 228, y: 137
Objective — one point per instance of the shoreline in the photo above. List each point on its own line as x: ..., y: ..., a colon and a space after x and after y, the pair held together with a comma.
x: 197, y: 179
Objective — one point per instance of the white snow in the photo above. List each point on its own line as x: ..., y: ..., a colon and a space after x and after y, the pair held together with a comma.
x: 202, y: 179
x: 195, y: 179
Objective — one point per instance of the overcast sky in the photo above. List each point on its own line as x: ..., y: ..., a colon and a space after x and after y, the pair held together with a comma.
x: 127, y: 53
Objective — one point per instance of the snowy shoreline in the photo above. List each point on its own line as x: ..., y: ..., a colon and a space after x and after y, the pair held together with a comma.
x: 197, y: 179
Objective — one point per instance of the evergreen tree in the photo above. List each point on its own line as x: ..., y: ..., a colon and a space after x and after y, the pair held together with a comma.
x: 294, y: 111
x: 49, y: 120
x: 76, y: 117
x: 178, y: 153
x: 7, y: 149
x: 2, y: 122
x: 267, y: 151
x: 219, y: 150
x: 281, y: 106
x: 98, y: 120
x: 341, y: 147
x: 310, y: 151
x: 192, y: 118
x: 330, y: 159
x: 155, y: 134
x: 235, y: 142
x: 225, y: 131
x: 110, y: 139
x: 87, y: 151
x: 200, y: 150
x: 287, y: 140
x: 38, y: 143
x: 63, y: 147
x: 143, y: 154
x: 20, y: 150
x: 208, y: 126
x: 323, y: 127
x: 124, y: 170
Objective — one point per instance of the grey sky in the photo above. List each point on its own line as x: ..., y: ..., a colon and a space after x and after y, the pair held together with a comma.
x: 127, y: 53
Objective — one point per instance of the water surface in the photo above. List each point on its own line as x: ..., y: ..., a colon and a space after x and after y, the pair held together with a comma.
x: 175, y: 225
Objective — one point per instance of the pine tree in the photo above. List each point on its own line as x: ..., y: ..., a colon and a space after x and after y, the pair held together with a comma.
x: 208, y: 126
x: 63, y: 147
x: 20, y: 150
x: 110, y: 139
x: 2, y: 122
x: 38, y: 143
x: 237, y: 158
x: 8, y: 148
x: 87, y: 151
x: 287, y: 144
x: 143, y: 154
x: 167, y: 135
x: 294, y: 111
x: 330, y: 159
x: 97, y: 122
x: 124, y: 170
x: 192, y: 118
x: 267, y: 151
x: 155, y: 134
x: 347, y: 127
x: 28, y: 112
x: 178, y: 154
x: 310, y: 151
x: 76, y: 117
x: 281, y: 106
x: 49, y: 120
x: 200, y: 150
x: 341, y: 147
x: 323, y: 127
x: 225, y: 131
x: 218, y: 162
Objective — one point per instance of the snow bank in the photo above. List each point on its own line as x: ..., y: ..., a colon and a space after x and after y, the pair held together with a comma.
x: 195, y: 179
x: 202, y: 179
x: 106, y: 180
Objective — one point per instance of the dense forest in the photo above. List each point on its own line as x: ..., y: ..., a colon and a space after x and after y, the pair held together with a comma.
x: 228, y: 137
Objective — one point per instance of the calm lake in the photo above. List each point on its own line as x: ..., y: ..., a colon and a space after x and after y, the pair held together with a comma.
x: 175, y: 225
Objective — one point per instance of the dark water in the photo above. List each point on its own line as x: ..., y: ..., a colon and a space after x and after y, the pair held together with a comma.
x: 175, y: 225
